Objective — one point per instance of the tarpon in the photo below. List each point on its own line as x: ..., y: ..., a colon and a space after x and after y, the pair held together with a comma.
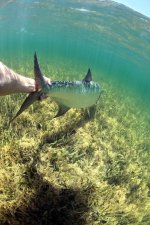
x: 67, y: 94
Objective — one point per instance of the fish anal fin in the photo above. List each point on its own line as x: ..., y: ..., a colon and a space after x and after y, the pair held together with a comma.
x: 91, y: 111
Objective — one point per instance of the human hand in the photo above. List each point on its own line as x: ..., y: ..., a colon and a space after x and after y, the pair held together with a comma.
x: 47, y: 81
x: 11, y: 82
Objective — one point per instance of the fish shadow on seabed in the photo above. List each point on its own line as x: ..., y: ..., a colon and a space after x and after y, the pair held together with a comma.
x: 48, y: 205
x: 51, y: 206
x: 70, y: 127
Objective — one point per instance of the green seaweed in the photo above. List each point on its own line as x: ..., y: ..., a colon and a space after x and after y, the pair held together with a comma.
x: 72, y: 170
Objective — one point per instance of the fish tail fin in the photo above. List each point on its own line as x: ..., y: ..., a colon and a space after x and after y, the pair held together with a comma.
x: 39, y: 79
x: 31, y: 98
x: 38, y: 94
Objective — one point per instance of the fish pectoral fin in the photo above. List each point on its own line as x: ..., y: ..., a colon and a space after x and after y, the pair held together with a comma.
x: 62, y: 110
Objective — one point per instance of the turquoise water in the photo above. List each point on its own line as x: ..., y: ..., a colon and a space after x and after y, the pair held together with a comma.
x: 107, y: 37
x: 70, y: 169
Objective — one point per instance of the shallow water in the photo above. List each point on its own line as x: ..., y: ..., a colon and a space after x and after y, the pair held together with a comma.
x: 106, y: 159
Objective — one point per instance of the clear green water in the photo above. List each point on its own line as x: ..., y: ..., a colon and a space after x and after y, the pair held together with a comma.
x: 74, y: 35
x: 70, y: 170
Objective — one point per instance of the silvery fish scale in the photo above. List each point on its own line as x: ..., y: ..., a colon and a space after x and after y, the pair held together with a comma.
x: 76, y: 94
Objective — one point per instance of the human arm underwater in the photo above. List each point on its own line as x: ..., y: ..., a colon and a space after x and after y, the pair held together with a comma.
x: 12, y: 82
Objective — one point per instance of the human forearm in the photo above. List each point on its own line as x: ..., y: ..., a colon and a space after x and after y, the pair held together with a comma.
x: 11, y: 82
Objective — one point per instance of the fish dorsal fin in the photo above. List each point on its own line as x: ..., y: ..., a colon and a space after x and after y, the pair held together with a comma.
x: 88, y: 76
x: 39, y: 80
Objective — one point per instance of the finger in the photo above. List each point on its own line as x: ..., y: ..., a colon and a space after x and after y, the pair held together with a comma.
x: 47, y: 80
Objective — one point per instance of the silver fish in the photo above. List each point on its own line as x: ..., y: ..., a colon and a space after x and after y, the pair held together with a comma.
x: 67, y: 94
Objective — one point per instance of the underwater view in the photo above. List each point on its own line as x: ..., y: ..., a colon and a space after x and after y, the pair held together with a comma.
x: 75, y: 169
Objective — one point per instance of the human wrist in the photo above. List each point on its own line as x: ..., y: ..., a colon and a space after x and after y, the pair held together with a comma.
x: 11, y: 82
x: 24, y: 84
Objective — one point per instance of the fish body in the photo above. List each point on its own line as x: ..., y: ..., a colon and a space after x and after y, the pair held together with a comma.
x: 77, y: 94
x: 67, y: 94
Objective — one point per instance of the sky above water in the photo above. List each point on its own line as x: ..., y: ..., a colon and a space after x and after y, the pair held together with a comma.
x: 142, y: 6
